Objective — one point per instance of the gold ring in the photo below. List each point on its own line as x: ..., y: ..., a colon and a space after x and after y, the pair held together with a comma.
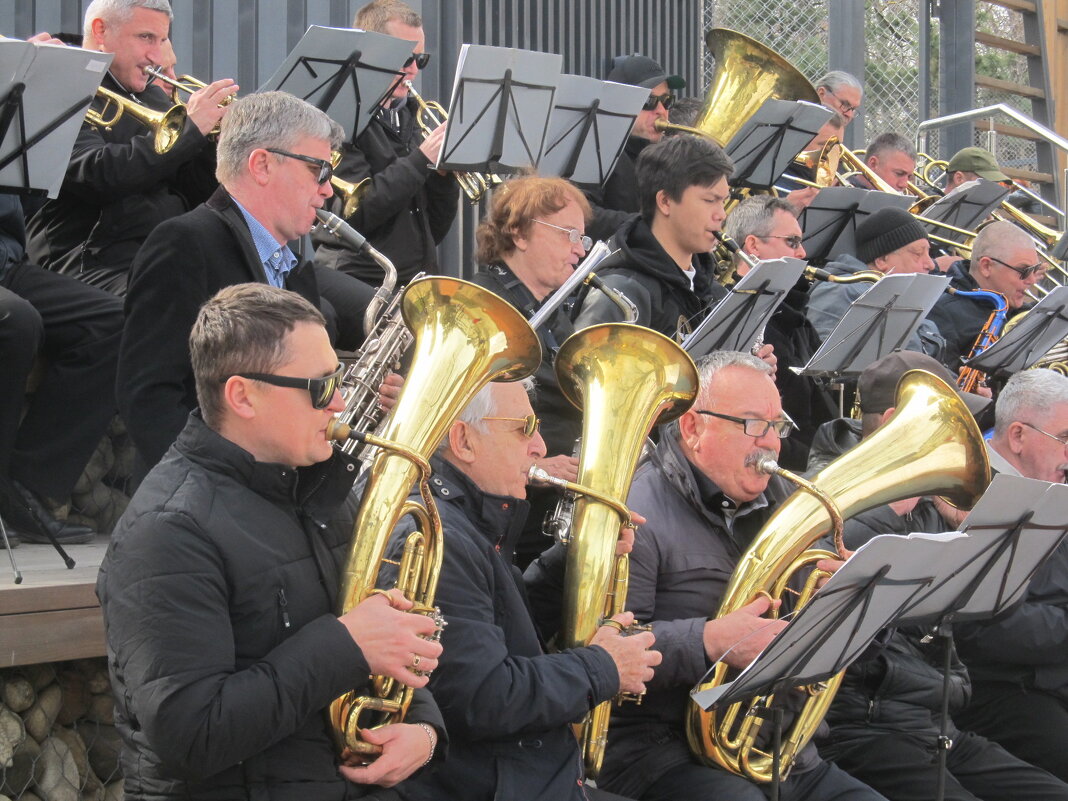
x: 614, y: 624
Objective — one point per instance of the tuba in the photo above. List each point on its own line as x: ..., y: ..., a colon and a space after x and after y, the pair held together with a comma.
x: 626, y: 379
x: 166, y: 124
x: 930, y: 445
x: 465, y: 337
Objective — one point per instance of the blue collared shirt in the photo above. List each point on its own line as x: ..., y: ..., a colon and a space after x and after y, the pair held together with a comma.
x: 277, y: 258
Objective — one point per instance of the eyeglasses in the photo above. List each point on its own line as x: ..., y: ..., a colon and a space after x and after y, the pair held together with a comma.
x: 1062, y: 440
x: 847, y: 108
x: 667, y: 101
x: 531, y: 423
x: 1023, y: 272
x: 755, y: 427
x: 573, y: 235
x: 326, y: 169
x: 321, y: 389
x: 419, y: 59
x: 791, y: 241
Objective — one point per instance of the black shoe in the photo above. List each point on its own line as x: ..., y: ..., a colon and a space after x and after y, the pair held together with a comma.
x: 43, y: 523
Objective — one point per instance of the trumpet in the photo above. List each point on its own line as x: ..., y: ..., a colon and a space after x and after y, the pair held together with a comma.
x: 167, y: 124
x: 431, y: 115
x: 184, y: 83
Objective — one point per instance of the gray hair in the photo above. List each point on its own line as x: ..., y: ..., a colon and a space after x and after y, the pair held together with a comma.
x: 755, y: 216
x: 999, y: 239
x: 483, y: 405
x: 888, y: 142
x: 836, y: 79
x: 717, y: 360
x: 1029, y: 396
x: 117, y: 12
x: 265, y: 120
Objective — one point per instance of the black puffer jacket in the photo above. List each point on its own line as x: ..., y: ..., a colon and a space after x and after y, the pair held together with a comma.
x: 644, y: 272
x: 217, y: 589
x: 899, y: 687
x: 406, y: 210
x: 507, y: 702
x: 117, y: 189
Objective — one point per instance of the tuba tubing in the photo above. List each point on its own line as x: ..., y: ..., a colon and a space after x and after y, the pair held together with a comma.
x: 930, y: 445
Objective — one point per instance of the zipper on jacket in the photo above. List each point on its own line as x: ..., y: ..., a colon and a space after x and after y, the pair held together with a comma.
x: 282, y: 604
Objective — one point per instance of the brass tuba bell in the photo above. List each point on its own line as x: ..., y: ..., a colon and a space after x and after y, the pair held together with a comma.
x: 465, y: 337
x: 930, y: 445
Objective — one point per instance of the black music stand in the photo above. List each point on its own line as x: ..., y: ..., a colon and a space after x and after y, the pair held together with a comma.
x: 741, y: 316
x: 771, y: 139
x: 830, y: 221
x: 879, y: 322
x: 35, y: 138
x: 344, y: 72
x: 1045, y: 325
x: 588, y: 128
x: 499, y: 111
x: 964, y: 209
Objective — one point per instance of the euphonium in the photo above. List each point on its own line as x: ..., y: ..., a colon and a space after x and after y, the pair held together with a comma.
x: 626, y: 379
x: 431, y: 115
x: 465, y: 337
x: 930, y: 445
x: 167, y: 124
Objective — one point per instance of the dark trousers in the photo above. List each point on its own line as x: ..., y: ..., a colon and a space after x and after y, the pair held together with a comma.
x: 1029, y: 724
x: 904, y: 767
x: 349, y: 298
x: 77, y: 329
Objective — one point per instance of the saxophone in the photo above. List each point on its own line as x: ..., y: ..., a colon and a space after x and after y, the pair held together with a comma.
x: 969, y: 377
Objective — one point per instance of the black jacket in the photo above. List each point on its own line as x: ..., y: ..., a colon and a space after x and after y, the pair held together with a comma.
x: 617, y: 200
x: 644, y: 272
x: 561, y: 422
x: 217, y: 590
x: 407, y: 208
x: 182, y: 264
x: 960, y: 318
x: 117, y: 189
x: 506, y: 702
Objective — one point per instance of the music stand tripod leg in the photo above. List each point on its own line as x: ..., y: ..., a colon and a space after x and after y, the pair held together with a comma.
x: 10, y: 552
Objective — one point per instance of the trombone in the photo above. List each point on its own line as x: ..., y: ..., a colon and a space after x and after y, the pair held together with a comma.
x: 166, y: 124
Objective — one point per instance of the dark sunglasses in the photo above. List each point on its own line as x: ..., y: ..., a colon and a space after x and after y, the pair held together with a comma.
x: 321, y: 389
x: 531, y: 423
x: 667, y: 101
x: 419, y: 59
x: 326, y: 169
x: 1023, y: 272
x: 791, y: 241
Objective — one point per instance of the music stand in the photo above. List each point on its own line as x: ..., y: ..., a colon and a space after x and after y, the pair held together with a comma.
x: 1044, y: 326
x: 499, y: 111
x: 771, y: 139
x: 36, y: 138
x: 344, y: 72
x: 880, y: 321
x: 588, y: 128
x: 964, y: 209
x: 738, y: 318
x: 829, y: 223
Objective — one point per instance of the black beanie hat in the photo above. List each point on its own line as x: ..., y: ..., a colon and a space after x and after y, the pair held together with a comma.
x: 885, y: 231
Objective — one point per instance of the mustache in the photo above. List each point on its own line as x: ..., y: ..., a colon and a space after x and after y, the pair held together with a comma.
x: 759, y: 456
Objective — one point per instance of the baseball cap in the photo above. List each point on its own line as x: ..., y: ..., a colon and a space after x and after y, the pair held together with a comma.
x: 878, y: 383
x: 638, y: 70
x: 979, y: 161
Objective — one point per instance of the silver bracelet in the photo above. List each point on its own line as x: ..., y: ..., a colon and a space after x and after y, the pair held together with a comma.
x: 431, y: 738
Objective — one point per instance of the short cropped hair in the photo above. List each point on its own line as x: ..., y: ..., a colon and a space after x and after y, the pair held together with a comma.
x: 676, y: 163
x: 755, y: 216
x: 1029, y: 396
x: 998, y: 240
x: 515, y: 206
x: 837, y: 79
x: 117, y: 12
x: 242, y: 329
x: 378, y: 13
x: 269, y: 120
x: 888, y: 142
x: 717, y: 360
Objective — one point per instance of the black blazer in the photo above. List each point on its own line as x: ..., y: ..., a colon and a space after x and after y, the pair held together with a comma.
x: 182, y: 264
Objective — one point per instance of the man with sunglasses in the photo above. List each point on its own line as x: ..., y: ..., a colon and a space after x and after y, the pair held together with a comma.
x: 220, y: 582
x: 407, y: 207
x: 1019, y: 673
x: 274, y: 167
x: 507, y: 703
x: 704, y: 500
x: 618, y: 199
x: 1003, y: 260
